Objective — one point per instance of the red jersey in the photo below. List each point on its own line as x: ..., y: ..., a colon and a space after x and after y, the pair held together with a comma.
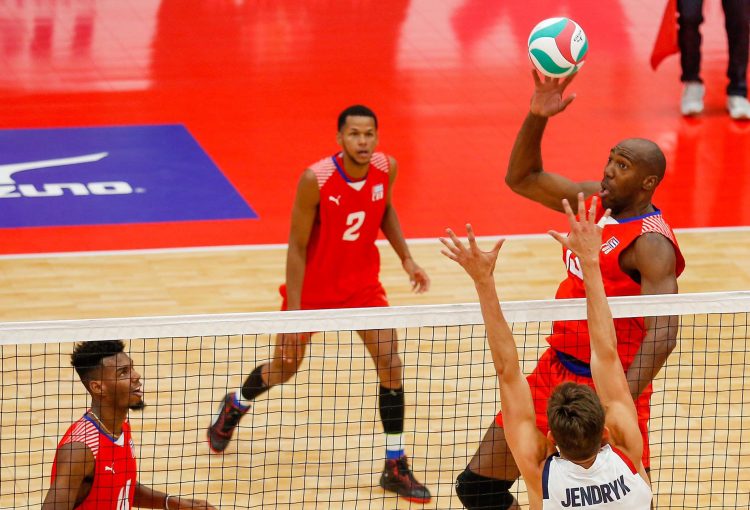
x: 571, y: 337
x: 115, y: 470
x: 343, y: 262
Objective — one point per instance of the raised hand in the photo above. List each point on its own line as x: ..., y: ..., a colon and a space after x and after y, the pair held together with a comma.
x: 477, y: 263
x: 548, y: 95
x: 585, y: 238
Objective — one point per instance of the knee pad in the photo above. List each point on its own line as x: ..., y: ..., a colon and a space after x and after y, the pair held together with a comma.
x: 480, y: 492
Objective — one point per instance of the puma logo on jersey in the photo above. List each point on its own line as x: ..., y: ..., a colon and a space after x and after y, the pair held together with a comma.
x: 334, y: 199
x: 110, y: 468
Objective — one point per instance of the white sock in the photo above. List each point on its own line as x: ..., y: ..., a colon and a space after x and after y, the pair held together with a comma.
x: 394, y: 446
x: 242, y: 400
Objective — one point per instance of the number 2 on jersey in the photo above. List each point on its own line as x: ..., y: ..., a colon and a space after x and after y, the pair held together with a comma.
x: 354, y: 222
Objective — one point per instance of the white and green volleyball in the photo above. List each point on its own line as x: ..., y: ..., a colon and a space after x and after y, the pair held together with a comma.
x: 557, y: 47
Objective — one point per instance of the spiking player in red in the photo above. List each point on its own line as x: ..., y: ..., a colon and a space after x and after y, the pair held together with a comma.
x: 95, y: 465
x: 639, y: 256
x: 342, y: 202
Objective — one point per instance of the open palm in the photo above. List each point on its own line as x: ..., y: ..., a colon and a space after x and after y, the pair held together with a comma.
x: 548, y: 95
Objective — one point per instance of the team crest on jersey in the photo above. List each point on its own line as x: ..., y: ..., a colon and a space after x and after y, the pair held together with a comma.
x: 610, y: 245
x: 377, y: 192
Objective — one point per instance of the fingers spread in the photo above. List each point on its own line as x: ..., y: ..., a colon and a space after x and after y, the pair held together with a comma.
x: 557, y: 236
x: 581, y: 208
x: 456, y: 241
x: 449, y: 254
x: 592, y: 209
x: 537, y: 80
x: 472, y: 239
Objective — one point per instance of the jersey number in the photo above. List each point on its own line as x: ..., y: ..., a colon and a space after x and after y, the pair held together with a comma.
x: 123, y: 503
x: 354, y: 222
x: 572, y: 264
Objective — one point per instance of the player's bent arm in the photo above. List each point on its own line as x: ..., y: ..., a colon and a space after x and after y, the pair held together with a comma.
x: 390, y: 225
x: 146, y: 497
x: 653, y: 256
x: 391, y: 228
x: 303, y: 217
x: 526, y: 177
x: 75, y: 462
x: 612, y: 388
x: 527, y: 444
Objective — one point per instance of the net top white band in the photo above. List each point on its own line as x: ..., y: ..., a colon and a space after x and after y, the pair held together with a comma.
x: 359, y: 318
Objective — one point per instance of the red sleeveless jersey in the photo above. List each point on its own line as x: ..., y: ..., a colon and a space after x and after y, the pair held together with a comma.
x: 572, y: 337
x: 115, y: 470
x: 343, y: 262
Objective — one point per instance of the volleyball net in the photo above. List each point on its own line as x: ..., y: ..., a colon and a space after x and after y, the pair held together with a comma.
x: 317, y: 441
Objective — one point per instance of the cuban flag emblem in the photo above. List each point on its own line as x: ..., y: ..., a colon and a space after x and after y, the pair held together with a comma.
x: 377, y: 192
x: 610, y: 245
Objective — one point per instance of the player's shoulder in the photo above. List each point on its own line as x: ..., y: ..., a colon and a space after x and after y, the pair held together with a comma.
x: 653, y: 243
x: 382, y: 161
x: 655, y: 223
x: 83, y: 432
x: 320, y: 171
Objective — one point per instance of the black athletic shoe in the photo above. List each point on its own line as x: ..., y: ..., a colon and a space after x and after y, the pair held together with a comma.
x: 226, y: 420
x: 398, y: 478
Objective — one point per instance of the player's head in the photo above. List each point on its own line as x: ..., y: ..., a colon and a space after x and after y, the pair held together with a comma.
x: 107, y: 373
x: 576, y: 420
x: 356, y: 110
x: 358, y: 133
x: 634, y: 169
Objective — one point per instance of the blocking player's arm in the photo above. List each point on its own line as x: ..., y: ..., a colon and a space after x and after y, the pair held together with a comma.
x: 146, y: 497
x: 611, y: 385
x: 585, y: 240
x: 525, y: 174
x: 74, y: 464
x: 527, y: 444
x: 606, y: 368
x: 303, y: 216
x: 391, y: 228
x: 653, y: 256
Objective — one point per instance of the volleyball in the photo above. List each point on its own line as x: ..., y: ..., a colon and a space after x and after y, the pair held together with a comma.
x: 557, y: 47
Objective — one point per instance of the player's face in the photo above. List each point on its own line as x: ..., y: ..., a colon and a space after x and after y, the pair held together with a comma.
x: 622, y: 179
x: 121, y: 384
x: 358, y: 138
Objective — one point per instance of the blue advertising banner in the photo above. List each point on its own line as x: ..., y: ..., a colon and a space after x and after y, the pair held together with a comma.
x: 111, y: 175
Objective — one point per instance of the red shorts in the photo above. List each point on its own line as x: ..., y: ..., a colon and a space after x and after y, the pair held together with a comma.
x: 550, y: 372
x: 370, y: 297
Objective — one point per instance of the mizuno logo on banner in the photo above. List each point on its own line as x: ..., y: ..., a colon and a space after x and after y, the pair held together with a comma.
x: 10, y: 189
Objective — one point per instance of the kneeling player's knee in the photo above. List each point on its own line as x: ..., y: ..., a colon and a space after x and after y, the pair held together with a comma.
x: 477, y: 491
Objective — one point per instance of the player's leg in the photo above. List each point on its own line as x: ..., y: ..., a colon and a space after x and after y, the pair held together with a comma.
x: 689, y: 38
x: 737, y: 23
x: 289, y: 352
x: 397, y: 476
x: 486, y: 481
